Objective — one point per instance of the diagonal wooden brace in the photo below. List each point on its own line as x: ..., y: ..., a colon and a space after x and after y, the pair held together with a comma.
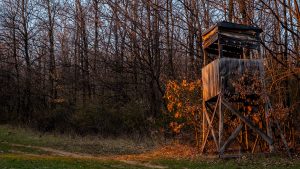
x: 248, y: 123
x: 231, y: 138
x: 210, y: 128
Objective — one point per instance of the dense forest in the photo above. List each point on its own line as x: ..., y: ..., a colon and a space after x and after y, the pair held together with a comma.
x: 102, y: 66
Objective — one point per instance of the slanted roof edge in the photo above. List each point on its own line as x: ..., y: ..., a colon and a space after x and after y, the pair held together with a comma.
x: 230, y: 25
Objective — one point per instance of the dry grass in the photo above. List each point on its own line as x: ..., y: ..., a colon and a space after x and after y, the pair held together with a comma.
x: 89, y: 145
x: 171, y: 151
x: 26, y: 149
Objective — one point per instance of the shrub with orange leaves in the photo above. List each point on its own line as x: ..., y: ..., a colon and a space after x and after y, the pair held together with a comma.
x: 184, y: 104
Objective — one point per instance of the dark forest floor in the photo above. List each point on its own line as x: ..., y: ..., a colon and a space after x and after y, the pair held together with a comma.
x: 25, y: 149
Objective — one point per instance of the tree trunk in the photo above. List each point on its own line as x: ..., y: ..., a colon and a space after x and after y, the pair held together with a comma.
x: 52, y: 67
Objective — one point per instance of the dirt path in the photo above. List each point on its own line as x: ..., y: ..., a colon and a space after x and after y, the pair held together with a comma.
x: 119, y: 158
x: 148, y: 165
x: 57, y: 152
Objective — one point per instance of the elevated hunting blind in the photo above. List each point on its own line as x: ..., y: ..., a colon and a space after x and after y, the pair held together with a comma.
x: 232, y: 79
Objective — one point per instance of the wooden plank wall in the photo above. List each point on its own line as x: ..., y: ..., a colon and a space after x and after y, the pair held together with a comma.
x: 226, y: 68
x: 210, y: 79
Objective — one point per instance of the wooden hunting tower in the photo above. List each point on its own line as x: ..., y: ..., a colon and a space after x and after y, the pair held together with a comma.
x: 231, y: 51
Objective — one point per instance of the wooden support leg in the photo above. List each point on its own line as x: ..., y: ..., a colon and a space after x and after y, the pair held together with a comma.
x: 221, y: 121
x: 204, y: 122
x: 268, y: 123
x: 283, y: 139
x: 255, y: 143
x: 246, y: 138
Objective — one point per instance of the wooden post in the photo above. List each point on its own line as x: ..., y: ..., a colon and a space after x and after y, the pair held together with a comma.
x: 255, y: 143
x: 283, y: 139
x: 221, y: 121
x: 267, y: 106
x: 204, y: 57
x: 246, y: 138
x: 221, y: 117
x: 204, y: 126
x: 258, y: 48
x: 268, y: 123
x: 220, y: 47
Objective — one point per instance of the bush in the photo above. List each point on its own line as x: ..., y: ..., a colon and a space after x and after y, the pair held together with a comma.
x: 107, y: 119
x: 184, y: 106
x: 57, y: 119
x: 97, y: 117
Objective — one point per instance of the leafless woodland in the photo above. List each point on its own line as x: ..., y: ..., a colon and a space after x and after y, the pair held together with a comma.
x: 101, y: 66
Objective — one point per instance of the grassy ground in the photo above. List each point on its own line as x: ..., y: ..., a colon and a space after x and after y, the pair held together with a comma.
x: 24, y: 149
x: 90, y: 145
x: 9, y: 161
